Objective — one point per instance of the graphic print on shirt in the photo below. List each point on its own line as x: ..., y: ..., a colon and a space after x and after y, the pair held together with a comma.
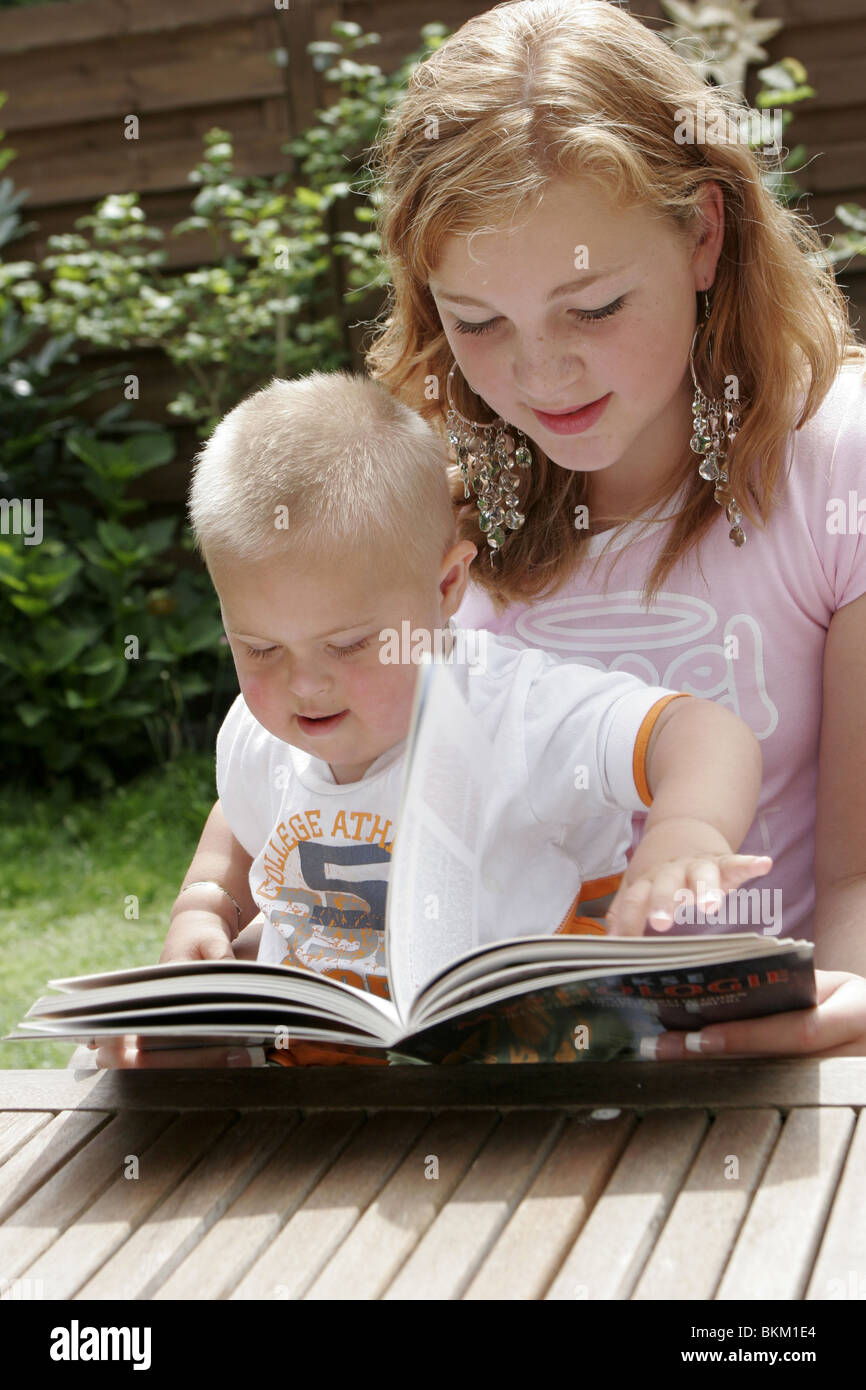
x: 327, y: 900
x: 730, y: 671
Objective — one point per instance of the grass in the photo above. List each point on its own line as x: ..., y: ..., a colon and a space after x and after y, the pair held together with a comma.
x: 70, y: 874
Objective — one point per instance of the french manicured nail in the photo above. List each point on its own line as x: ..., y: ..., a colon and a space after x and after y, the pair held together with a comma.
x: 705, y: 1043
x: 649, y: 1048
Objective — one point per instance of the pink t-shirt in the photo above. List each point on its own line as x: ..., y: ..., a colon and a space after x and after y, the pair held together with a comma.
x: 749, y: 634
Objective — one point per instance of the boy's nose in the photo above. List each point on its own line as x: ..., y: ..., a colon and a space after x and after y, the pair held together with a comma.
x: 308, y: 685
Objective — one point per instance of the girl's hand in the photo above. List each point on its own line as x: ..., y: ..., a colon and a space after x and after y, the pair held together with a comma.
x: 835, y: 1027
x: 650, y: 895
x: 150, y: 1052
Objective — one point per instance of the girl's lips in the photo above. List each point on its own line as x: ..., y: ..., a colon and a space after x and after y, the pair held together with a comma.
x: 577, y: 421
x: 320, y: 726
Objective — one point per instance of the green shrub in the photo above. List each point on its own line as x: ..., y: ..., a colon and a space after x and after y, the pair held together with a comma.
x: 102, y: 644
x: 287, y: 275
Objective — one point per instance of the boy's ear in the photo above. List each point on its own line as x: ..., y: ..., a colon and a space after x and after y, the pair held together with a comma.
x: 455, y: 575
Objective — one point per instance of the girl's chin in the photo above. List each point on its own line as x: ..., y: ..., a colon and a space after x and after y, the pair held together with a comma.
x: 578, y: 461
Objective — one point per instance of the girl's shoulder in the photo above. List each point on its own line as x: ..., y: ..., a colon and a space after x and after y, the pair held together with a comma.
x: 826, y: 486
x: 839, y: 423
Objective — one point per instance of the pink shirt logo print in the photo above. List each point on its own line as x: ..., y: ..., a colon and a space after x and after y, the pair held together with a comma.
x: 730, y: 671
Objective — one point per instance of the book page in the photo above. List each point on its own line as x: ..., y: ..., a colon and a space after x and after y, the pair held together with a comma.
x: 433, y: 894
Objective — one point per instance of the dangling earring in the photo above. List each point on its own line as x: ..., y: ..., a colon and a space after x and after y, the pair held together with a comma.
x: 487, y: 462
x: 715, y: 425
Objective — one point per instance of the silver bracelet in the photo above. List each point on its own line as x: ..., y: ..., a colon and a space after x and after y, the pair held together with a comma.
x: 212, y: 883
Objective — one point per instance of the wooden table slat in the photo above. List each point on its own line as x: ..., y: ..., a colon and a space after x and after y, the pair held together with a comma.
x: 699, y: 1235
x: 373, y: 1252
x: 43, y: 1155
x: 97, y: 1233
x: 305, y: 1244
x: 614, y: 1245
x: 150, y: 1254
x: 18, y: 1127
x: 447, y: 1257
x: 531, y: 1248
x: 61, y: 1198
x: 840, y: 1268
x: 218, y: 1263
x: 776, y: 1247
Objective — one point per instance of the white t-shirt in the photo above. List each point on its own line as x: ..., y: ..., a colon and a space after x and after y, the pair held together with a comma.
x: 569, y: 745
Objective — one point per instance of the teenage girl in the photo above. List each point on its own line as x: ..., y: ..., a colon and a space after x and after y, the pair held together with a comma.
x: 669, y: 347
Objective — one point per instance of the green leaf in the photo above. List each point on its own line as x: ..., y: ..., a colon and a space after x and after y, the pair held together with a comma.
x: 31, y: 715
x: 152, y: 450
x: 103, y: 658
x: 61, y: 644
x: 156, y: 536
x: 852, y: 215
x: 308, y: 198
x: 32, y: 607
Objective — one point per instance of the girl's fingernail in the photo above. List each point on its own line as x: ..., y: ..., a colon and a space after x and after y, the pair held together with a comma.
x: 238, y: 1057
x: 648, y: 1048
x: 661, y: 916
x: 704, y: 1042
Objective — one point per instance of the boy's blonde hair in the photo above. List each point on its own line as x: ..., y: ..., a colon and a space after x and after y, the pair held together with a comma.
x: 551, y: 89
x: 328, y: 464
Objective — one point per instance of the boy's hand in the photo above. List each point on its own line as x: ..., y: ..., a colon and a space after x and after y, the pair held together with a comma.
x: 649, y: 895
x: 192, y: 936
x: 197, y: 936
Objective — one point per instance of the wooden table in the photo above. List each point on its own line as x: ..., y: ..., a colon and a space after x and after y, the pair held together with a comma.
x: 709, y: 1180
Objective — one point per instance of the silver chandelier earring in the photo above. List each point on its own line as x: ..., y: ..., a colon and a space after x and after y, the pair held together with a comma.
x: 488, y: 455
x: 715, y: 424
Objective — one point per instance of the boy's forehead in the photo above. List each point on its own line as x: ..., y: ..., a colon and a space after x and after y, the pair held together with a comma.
x: 262, y: 599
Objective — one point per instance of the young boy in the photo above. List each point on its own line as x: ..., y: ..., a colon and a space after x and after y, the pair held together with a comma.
x: 322, y: 509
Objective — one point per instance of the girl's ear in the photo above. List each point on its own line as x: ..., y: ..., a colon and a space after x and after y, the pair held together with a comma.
x: 711, y: 232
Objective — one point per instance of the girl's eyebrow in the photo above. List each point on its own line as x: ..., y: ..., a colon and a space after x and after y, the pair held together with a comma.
x: 588, y: 278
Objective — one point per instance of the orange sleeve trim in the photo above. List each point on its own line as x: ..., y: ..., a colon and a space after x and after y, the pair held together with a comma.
x: 574, y: 923
x: 641, y: 744
x: 599, y: 888
x: 581, y: 926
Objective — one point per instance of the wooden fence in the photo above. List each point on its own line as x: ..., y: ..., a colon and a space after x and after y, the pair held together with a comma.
x: 74, y: 71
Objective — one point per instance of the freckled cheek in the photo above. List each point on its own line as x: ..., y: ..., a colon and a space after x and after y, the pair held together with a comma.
x: 639, y: 364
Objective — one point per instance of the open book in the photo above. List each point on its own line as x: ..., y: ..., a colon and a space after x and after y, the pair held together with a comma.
x: 534, y: 998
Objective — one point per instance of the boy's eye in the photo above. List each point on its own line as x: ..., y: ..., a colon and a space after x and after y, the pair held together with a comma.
x: 355, y: 647
x: 585, y: 316
x: 257, y: 653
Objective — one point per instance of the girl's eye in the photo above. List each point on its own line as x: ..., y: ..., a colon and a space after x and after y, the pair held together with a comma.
x: 585, y: 315
x: 593, y: 315
x: 258, y: 652
x: 474, y: 327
